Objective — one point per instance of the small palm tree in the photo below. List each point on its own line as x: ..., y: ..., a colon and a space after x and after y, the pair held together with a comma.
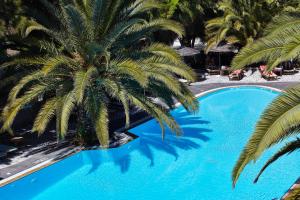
x: 281, y: 120
x: 186, y: 12
x: 190, y: 14
x: 99, y: 51
x: 241, y: 22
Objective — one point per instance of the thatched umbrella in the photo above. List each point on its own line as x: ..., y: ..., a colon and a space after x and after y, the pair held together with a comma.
x: 227, y: 48
x: 187, y: 52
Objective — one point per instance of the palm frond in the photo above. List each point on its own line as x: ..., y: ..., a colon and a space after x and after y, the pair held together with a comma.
x: 78, y: 25
x: 81, y: 81
x: 11, y: 110
x: 168, y: 25
x: 45, y: 115
x: 52, y: 63
x: 101, y: 126
x: 141, y: 6
x: 284, y: 22
x: 34, y: 26
x: 100, y: 6
x: 117, y: 31
x: 133, y: 69
x: 279, y: 121
x: 66, y: 110
x: 287, y: 149
x: 22, y: 83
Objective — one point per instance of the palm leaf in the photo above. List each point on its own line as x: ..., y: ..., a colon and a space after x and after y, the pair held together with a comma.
x: 81, y: 81
x: 279, y: 121
x: 45, y: 115
x: 22, y: 83
x: 11, y: 110
x: 287, y: 149
x: 66, y: 110
x: 102, y: 125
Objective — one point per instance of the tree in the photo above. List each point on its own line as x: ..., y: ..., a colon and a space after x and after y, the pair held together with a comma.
x: 99, y: 51
x: 279, y: 44
x: 190, y: 13
x: 240, y: 23
x: 281, y: 119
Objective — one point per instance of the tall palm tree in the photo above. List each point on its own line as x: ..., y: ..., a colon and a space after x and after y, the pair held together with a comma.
x: 241, y: 22
x: 99, y: 50
x: 281, y: 120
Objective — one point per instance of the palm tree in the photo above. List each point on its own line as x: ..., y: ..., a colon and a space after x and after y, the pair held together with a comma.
x: 278, y: 45
x: 99, y: 51
x: 190, y: 14
x: 281, y: 120
x: 241, y: 22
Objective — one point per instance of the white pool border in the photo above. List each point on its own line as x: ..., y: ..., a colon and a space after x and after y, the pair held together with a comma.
x: 232, y: 86
x: 26, y: 172
x: 34, y: 169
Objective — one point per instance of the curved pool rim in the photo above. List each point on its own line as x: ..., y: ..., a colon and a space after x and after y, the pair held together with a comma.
x: 53, y: 161
x: 263, y: 87
x: 201, y: 95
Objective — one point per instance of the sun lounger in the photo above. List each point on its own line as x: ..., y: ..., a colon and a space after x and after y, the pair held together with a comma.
x: 17, y: 140
x: 213, y: 71
x: 289, y: 71
x: 268, y: 75
x: 236, y: 75
x: 289, y: 67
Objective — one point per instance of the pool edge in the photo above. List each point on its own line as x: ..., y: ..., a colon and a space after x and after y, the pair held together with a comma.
x: 145, y: 119
x: 35, y: 168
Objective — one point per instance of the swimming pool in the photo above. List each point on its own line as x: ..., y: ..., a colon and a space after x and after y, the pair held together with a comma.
x: 197, y: 165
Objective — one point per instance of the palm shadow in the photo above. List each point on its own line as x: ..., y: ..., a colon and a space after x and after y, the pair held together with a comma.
x: 150, y: 141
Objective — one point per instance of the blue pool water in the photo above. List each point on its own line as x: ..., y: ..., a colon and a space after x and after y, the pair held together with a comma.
x: 195, y: 166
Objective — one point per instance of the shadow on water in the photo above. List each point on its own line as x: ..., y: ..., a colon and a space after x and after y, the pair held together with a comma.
x: 95, y: 162
x: 151, y: 142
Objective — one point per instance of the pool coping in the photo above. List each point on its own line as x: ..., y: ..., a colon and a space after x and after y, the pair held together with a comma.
x: 35, y: 168
x: 52, y: 161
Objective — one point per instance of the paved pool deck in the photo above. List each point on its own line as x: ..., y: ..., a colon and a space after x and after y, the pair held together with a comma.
x: 17, y: 164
